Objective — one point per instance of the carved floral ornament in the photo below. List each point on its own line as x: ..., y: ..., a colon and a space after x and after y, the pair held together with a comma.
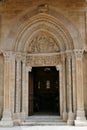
x: 43, y: 43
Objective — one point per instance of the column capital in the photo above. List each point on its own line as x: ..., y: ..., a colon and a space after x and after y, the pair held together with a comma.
x: 24, y: 59
x: 69, y: 55
x: 8, y: 56
x: 63, y: 56
x: 18, y: 57
x: 79, y: 54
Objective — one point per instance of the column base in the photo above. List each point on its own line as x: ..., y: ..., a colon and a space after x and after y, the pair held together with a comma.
x: 80, y: 123
x: 17, y: 118
x: 6, y: 119
x: 71, y: 117
x: 65, y: 116
x: 81, y: 119
x: 23, y: 116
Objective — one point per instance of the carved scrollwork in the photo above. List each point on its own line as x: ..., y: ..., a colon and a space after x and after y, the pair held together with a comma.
x: 43, y: 43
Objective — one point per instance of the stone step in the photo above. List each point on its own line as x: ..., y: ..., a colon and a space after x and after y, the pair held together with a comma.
x: 43, y: 120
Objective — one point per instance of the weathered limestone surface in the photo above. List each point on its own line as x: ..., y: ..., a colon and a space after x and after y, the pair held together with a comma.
x: 42, y: 33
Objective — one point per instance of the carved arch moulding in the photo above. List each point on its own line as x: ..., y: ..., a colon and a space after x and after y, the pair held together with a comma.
x: 26, y: 23
x: 64, y: 40
x: 41, y: 21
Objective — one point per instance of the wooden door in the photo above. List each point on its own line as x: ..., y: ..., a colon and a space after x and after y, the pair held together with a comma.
x: 46, y: 90
x: 30, y: 94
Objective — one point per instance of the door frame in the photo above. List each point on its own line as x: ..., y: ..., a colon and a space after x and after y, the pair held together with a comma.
x: 58, y: 68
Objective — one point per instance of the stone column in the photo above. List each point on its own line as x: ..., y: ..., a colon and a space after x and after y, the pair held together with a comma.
x: 18, y: 88
x: 70, y: 120
x: 12, y: 84
x: 64, y: 90
x: 80, y: 117
x: 28, y: 69
x: 7, y: 116
x: 24, y: 89
x: 74, y: 83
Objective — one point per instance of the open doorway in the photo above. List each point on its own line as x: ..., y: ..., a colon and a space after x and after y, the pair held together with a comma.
x: 44, y: 91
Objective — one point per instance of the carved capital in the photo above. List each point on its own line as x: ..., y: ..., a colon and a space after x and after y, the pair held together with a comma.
x: 24, y: 59
x: 18, y: 57
x: 8, y: 56
x: 69, y: 55
x: 79, y: 54
x: 63, y: 57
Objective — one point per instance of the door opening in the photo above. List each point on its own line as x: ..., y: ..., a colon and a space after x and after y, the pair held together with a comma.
x: 44, y: 91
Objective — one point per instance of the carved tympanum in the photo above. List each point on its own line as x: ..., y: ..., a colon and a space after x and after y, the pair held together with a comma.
x: 43, y: 43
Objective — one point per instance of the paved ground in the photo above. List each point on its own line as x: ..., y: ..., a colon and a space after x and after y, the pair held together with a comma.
x: 45, y: 128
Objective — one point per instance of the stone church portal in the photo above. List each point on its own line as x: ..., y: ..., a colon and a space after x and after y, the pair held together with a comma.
x: 43, y: 61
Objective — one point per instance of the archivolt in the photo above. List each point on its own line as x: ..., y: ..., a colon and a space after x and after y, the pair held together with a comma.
x: 47, y: 23
x: 66, y: 35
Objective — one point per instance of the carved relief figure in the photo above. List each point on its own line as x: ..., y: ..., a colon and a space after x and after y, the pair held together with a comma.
x: 42, y: 43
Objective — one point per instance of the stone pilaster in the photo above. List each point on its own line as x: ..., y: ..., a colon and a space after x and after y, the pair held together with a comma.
x: 24, y: 89
x: 70, y: 120
x: 80, y: 117
x: 59, y: 68
x: 64, y: 89
x: 28, y: 69
x: 12, y: 84
x: 18, y: 88
x: 7, y: 115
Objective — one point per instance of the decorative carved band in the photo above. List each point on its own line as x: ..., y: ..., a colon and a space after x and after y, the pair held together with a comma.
x: 43, y: 60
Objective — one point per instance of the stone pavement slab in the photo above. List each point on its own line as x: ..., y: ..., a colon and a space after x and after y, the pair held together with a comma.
x: 53, y: 128
x: 44, y: 128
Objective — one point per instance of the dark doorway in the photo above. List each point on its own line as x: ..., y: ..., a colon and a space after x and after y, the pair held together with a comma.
x: 44, y: 91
